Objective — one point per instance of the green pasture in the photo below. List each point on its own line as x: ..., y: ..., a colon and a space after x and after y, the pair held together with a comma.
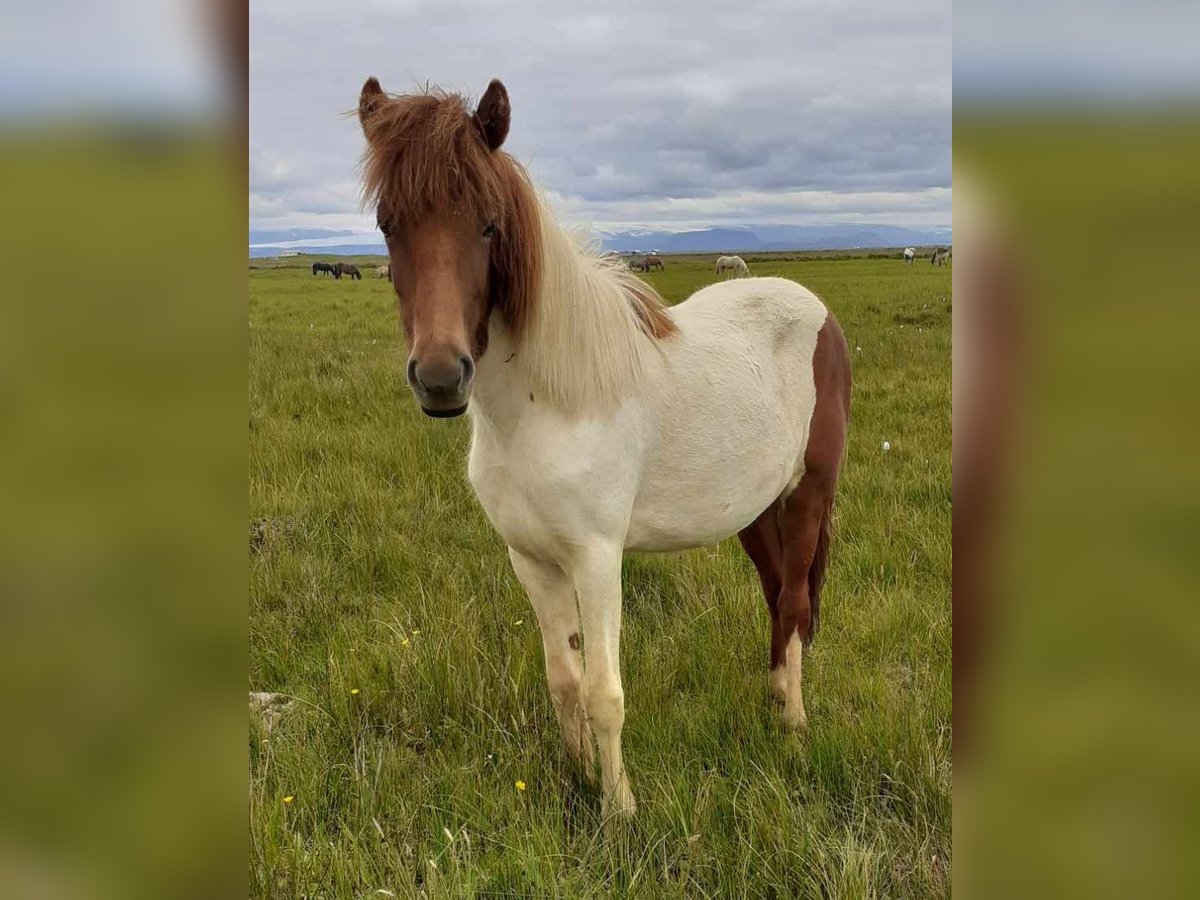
x: 383, y: 605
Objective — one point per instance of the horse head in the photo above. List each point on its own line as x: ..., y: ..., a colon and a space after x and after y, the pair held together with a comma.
x: 461, y: 225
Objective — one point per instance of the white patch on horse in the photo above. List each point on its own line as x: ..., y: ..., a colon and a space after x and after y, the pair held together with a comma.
x: 690, y: 439
x: 778, y: 682
x: 793, y: 701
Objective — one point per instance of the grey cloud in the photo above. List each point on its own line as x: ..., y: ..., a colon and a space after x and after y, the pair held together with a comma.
x: 618, y: 107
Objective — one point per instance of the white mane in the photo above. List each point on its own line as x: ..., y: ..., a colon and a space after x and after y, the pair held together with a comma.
x: 585, y: 344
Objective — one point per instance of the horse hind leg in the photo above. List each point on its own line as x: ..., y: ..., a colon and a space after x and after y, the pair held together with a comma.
x: 762, y: 542
x: 806, y: 513
x: 804, y: 527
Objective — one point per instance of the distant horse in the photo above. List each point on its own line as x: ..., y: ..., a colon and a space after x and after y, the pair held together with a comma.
x: 940, y: 256
x: 910, y: 253
x: 319, y: 267
x: 639, y: 265
x: 734, y: 264
x: 384, y: 272
x: 653, y: 262
x: 348, y: 270
x: 602, y: 420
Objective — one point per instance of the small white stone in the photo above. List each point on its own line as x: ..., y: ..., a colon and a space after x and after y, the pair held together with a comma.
x: 887, y: 445
x: 858, y: 349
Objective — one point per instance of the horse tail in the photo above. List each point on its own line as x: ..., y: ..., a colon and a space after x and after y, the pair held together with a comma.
x: 816, y: 571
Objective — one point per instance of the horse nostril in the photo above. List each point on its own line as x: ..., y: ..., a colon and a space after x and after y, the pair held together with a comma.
x: 440, y: 377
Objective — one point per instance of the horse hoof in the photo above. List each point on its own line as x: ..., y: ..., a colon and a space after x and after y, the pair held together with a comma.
x: 777, y: 684
x: 795, y: 718
x: 620, y: 807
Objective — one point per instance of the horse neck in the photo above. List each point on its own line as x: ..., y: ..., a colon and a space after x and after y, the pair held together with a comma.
x: 502, y: 389
x: 582, y: 349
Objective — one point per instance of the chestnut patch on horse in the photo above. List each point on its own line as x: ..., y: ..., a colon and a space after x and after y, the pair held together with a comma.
x: 573, y: 640
x: 789, y: 542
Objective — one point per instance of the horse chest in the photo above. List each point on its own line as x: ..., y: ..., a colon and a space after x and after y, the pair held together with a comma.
x: 546, y: 493
x: 510, y: 498
x: 523, y: 502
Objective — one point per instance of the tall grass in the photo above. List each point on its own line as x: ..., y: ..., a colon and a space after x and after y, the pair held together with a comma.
x: 374, y: 570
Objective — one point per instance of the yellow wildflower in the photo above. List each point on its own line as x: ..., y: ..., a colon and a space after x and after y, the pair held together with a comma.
x: 520, y: 785
x: 405, y: 642
x: 288, y: 799
x: 353, y: 691
x: 519, y: 622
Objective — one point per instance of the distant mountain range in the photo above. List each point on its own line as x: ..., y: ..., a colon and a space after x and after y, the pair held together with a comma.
x: 323, y: 250
x: 742, y: 238
x: 774, y: 237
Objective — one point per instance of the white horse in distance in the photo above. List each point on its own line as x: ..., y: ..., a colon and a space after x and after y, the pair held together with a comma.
x: 734, y: 264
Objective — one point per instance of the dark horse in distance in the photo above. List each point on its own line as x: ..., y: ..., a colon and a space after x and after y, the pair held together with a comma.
x: 319, y: 267
x: 348, y: 270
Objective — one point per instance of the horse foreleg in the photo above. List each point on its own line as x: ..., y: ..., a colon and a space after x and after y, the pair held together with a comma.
x: 597, y: 577
x: 553, y: 597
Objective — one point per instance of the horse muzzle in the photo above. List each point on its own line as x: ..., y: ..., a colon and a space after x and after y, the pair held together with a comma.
x: 442, y: 388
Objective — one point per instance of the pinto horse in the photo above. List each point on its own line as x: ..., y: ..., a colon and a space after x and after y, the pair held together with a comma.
x: 940, y: 257
x: 601, y: 420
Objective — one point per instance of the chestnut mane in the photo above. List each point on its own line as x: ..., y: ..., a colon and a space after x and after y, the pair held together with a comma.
x: 426, y: 152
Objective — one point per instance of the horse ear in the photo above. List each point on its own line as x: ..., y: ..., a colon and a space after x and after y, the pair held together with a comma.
x: 370, y: 100
x: 494, y: 115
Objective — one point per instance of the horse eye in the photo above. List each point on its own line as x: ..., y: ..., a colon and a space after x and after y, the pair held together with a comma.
x: 490, y: 231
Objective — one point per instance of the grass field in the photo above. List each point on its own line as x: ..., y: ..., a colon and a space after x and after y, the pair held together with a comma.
x: 382, y: 601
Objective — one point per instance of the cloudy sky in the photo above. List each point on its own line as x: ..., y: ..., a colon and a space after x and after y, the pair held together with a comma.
x: 695, y: 114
